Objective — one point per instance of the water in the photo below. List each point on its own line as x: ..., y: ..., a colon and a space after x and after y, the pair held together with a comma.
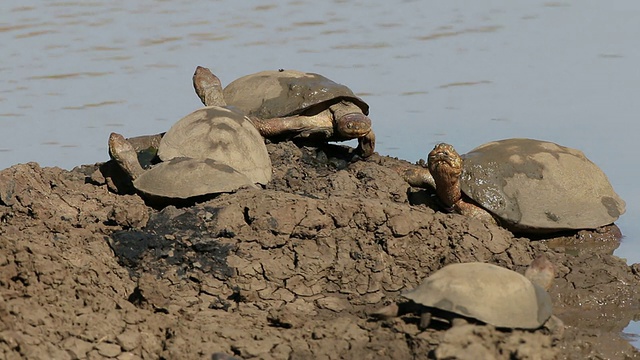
x: 456, y: 71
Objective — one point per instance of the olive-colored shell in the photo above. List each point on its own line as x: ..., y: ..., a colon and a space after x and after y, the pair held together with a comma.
x: 270, y: 94
x: 539, y: 186
x: 486, y: 292
x: 183, y: 178
x: 222, y: 135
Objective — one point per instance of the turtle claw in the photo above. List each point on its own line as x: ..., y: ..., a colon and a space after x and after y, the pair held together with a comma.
x: 367, y: 144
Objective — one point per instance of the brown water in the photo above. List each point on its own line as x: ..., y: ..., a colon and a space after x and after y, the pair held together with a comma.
x: 455, y: 71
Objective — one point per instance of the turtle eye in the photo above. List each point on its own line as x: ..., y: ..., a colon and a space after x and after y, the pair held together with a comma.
x: 349, y: 125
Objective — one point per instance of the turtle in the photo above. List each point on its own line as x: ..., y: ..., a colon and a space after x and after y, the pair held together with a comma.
x: 222, y: 134
x: 219, y: 132
x: 525, y: 185
x: 179, y: 178
x: 484, y: 292
x: 286, y: 104
x: 212, y: 150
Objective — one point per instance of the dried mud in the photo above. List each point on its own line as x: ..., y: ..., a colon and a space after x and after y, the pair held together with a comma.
x: 287, y: 272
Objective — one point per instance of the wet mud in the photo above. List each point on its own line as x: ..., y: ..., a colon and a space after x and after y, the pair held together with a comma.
x: 291, y: 271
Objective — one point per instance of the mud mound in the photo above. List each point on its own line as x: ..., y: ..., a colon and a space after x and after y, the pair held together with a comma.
x: 288, y: 272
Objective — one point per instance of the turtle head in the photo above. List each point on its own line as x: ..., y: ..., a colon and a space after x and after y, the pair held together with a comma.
x: 349, y: 120
x: 353, y: 125
x: 445, y: 161
x: 445, y: 166
x: 208, y: 87
x: 124, y: 154
x: 541, y: 272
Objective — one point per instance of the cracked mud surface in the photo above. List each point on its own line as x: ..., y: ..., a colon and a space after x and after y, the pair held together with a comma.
x: 287, y: 272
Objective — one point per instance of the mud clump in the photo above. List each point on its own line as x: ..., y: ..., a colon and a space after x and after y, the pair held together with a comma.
x: 287, y: 272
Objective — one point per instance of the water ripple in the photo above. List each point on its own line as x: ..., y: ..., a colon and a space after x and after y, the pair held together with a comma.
x: 439, y: 35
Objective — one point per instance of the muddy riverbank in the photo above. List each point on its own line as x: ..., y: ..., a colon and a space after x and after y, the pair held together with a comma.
x: 287, y: 272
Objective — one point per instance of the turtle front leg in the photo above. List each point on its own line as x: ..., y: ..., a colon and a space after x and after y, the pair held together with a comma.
x: 295, y: 126
x: 416, y: 176
x: 367, y: 144
x: 465, y: 208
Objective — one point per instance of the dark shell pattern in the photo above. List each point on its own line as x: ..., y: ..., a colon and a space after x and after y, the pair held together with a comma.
x: 538, y: 185
x: 270, y: 94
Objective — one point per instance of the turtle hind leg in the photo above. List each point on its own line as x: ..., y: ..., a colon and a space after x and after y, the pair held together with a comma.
x: 291, y: 127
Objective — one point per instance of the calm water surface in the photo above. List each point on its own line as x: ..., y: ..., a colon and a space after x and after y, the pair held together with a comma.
x: 455, y: 71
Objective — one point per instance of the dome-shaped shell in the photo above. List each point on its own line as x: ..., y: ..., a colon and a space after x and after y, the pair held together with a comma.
x: 222, y: 135
x: 270, y: 94
x: 183, y: 178
x: 485, y: 292
x: 535, y: 185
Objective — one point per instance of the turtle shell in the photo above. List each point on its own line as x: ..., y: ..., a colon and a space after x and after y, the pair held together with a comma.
x: 486, y: 292
x: 270, y: 94
x: 183, y: 178
x: 539, y: 186
x: 222, y: 135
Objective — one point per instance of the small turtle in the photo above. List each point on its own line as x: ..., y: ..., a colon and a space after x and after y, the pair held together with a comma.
x: 525, y: 185
x: 221, y: 134
x: 293, y: 104
x: 177, y: 179
x: 212, y: 150
x: 484, y: 292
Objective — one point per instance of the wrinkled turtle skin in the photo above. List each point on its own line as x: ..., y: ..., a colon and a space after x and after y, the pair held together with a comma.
x: 292, y: 104
x: 525, y: 185
x: 484, y: 292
